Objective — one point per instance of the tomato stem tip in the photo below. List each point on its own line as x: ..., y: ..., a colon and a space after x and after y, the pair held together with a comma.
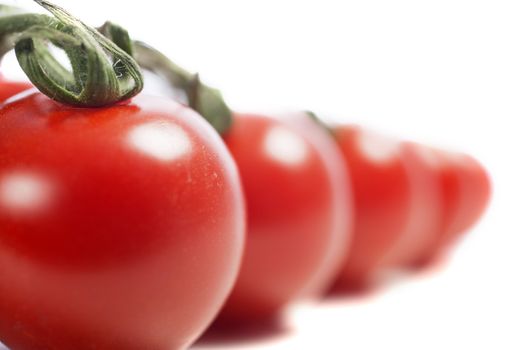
x: 101, y: 72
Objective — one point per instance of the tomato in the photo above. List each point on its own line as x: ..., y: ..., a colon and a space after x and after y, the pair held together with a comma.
x: 120, y: 227
x: 465, y: 191
x: 382, y: 194
x: 474, y: 191
x: 425, y: 215
x: 298, y: 213
x: 10, y: 88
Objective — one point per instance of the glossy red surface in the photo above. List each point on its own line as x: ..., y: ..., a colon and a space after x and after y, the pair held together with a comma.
x: 381, y: 185
x: 120, y: 227
x: 299, y: 211
x: 10, y: 88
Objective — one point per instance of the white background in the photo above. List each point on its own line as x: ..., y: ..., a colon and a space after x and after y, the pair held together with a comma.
x: 449, y: 72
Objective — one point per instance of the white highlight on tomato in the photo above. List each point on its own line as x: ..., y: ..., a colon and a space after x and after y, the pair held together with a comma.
x: 377, y: 147
x: 163, y: 141
x: 24, y: 192
x: 285, y: 146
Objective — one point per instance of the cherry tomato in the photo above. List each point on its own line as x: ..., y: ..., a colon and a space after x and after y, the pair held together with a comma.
x: 10, y: 88
x: 425, y: 215
x: 120, y: 227
x: 382, y: 193
x: 298, y: 210
x: 465, y: 190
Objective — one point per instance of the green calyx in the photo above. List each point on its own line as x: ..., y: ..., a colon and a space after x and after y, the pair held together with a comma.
x: 200, y: 97
x: 101, y: 72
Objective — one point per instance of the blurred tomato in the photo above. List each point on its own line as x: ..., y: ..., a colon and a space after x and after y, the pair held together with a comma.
x: 382, y: 186
x: 465, y: 190
x: 120, y: 227
x: 299, y: 211
x: 425, y: 214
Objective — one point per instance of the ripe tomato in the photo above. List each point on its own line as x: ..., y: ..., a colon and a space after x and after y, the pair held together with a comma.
x: 425, y: 215
x: 298, y: 208
x: 120, y: 227
x: 382, y: 194
x: 9, y: 88
x: 465, y: 190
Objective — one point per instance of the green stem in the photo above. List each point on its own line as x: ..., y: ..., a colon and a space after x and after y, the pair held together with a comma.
x: 102, y: 73
x: 156, y: 62
x: 202, y: 98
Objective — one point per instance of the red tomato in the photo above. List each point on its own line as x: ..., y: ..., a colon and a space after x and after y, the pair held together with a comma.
x: 382, y: 192
x: 465, y: 189
x: 298, y: 207
x: 425, y: 215
x: 10, y: 88
x: 120, y: 227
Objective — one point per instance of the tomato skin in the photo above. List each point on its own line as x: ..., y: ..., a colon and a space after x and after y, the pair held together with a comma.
x: 381, y: 185
x: 465, y: 190
x: 120, y: 228
x: 298, y: 213
x: 10, y: 88
x: 426, y: 207
x: 474, y: 189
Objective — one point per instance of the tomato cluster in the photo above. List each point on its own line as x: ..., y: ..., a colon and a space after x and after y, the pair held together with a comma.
x: 411, y: 202
x: 135, y: 225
